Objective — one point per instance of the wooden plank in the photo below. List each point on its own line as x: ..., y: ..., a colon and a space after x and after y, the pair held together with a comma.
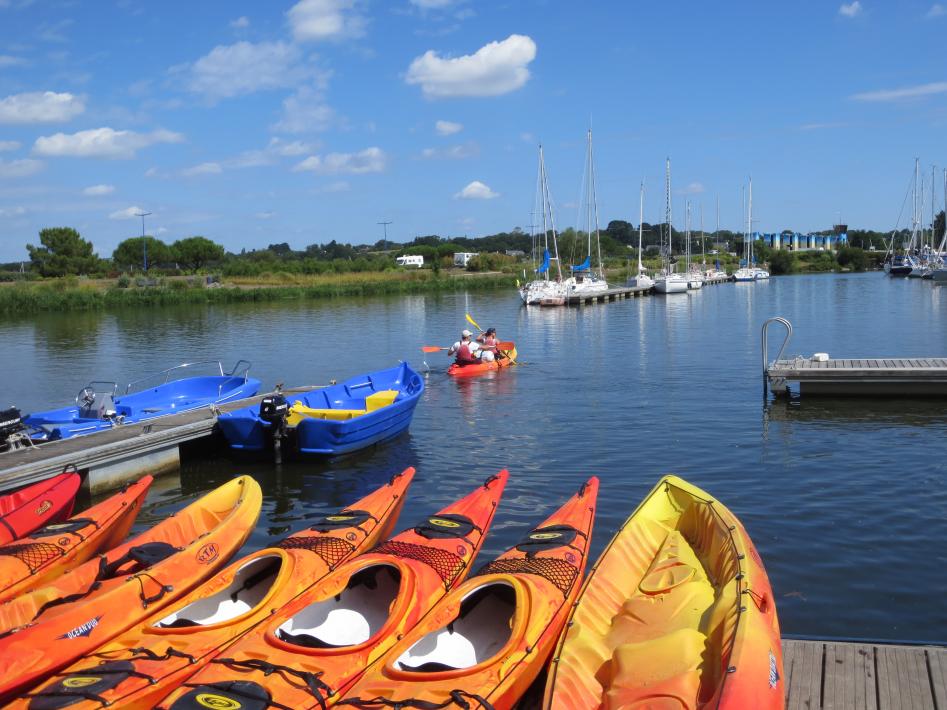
x: 849, y: 677
x: 804, y: 676
x: 903, y: 683
x: 937, y: 662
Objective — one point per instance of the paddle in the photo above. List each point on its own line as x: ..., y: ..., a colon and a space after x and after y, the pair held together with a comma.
x: 504, y: 352
x: 432, y: 348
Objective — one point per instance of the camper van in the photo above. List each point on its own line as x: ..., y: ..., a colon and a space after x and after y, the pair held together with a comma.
x: 415, y: 260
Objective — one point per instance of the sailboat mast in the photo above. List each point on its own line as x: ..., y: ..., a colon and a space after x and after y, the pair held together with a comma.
x: 598, y: 240
x: 548, y: 206
x: 749, y: 221
x: 542, y: 188
x: 667, y: 216
x: 687, y: 235
x: 641, y: 218
x: 703, y: 255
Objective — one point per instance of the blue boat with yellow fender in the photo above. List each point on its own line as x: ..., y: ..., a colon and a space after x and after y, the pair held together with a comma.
x: 98, y: 406
x: 330, y: 421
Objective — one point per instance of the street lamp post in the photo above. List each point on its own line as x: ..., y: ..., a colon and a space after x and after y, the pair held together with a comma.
x: 144, y: 242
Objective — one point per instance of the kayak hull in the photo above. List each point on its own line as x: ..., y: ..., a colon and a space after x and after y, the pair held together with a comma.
x: 32, y: 507
x: 678, y: 608
x: 480, y: 368
x: 492, y: 636
x: 245, y: 431
x: 299, y: 561
x: 92, y: 604
x: 36, y: 560
x: 405, y: 577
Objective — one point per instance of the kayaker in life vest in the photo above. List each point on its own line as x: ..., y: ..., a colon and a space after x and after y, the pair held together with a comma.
x: 489, y: 342
x: 465, y: 350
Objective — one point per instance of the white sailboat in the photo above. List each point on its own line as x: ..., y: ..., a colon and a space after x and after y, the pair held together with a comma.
x: 716, y: 273
x: 667, y: 281
x: 544, y: 288
x: 939, y: 273
x: 694, y: 279
x: 641, y: 279
x: 584, y: 281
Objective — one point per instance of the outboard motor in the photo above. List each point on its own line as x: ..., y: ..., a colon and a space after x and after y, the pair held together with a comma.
x: 274, y: 409
x: 12, y: 431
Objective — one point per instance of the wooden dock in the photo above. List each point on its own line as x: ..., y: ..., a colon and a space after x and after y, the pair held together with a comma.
x: 612, y: 294
x: 910, y: 377
x: 835, y: 675
x: 111, y: 457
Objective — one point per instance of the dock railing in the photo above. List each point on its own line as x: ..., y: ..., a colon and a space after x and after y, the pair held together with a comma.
x: 765, y: 346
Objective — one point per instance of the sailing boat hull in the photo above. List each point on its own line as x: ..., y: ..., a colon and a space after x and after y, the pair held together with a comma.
x: 535, y: 292
x: 670, y: 285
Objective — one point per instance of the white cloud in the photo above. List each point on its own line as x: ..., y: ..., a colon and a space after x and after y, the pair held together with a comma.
x: 694, y: 188
x: 8, y: 145
x: 454, y: 152
x: 937, y: 10
x: 101, y: 143
x: 907, y: 92
x: 431, y: 4
x: 244, y: 68
x: 203, y: 169
x: 527, y: 137
x: 305, y: 111
x: 265, y: 215
x: 496, y: 68
x: 289, y: 149
x: 448, y: 128
x: 370, y: 160
x: 40, y: 107
x: 127, y: 213
x: 240, y: 23
x: 12, y: 211
x: 315, y: 20
x: 98, y: 190
x: 7, y: 60
x: 851, y: 9
x: 476, y: 191
x: 19, y: 168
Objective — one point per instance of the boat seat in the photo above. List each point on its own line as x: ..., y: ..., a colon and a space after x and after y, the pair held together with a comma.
x: 381, y: 399
x: 298, y: 412
x: 660, y: 674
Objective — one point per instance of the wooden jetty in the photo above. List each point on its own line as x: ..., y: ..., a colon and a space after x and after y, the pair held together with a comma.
x: 837, y: 675
x: 109, y: 458
x: 613, y: 294
x: 819, y: 374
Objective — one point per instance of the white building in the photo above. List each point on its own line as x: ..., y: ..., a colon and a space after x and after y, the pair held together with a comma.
x: 415, y: 260
x: 462, y: 258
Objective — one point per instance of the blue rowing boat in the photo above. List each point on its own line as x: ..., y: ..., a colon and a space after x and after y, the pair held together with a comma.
x: 334, y: 420
x: 98, y: 405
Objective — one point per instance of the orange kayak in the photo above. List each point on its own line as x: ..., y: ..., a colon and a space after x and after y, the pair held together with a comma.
x: 43, y: 503
x: 143, y: 665
x: 84, y: 608
x: 35, y: 560
x: 479, y: 368
x: 487, y: 641
x: 311, y: 651
x: 677, y: 613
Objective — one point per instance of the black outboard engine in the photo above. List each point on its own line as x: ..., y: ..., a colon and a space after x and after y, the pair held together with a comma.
x: 274, y: 409
x: 12, y: 434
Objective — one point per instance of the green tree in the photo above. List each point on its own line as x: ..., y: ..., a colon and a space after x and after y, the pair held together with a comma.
x: 782, y: 261
x: 853, y: 257
x: 130, y: 253
x: 63, y: 251
x: 195, y: 252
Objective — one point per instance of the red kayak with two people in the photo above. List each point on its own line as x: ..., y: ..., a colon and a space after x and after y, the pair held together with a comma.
x: 486, y: 353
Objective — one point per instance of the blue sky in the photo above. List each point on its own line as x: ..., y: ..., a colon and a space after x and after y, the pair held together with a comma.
x: 254, y: 123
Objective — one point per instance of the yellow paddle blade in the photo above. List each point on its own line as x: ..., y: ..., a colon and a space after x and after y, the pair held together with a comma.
x: 473, y: 322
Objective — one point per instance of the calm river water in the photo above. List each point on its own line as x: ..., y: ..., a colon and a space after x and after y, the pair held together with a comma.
x: 846, y: 500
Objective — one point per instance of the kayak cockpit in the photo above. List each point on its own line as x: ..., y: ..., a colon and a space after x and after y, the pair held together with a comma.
x: 250, y: 585
x: 480, y: 630
x: 351, y: 617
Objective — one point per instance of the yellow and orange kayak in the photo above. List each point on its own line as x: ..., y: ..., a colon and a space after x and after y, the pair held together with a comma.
x: 141, y: 666
x: 35, y: 560
x: 677, y: 613
x: 83, y: 609
x: 311, y: 651
x: 487, y: 641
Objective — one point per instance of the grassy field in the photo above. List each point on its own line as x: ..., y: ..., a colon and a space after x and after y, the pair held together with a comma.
x: 71, y: 294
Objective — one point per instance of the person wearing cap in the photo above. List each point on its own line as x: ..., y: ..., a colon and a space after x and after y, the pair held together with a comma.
x: 465, y: 350
x: 489, y: 342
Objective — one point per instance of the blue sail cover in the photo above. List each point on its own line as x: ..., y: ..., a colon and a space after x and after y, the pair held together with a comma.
x: 544, y: 267
x: 585, y: 265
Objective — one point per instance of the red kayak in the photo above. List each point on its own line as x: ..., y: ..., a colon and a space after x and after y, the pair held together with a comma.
x: 505, y: 359
x: 33, y: 507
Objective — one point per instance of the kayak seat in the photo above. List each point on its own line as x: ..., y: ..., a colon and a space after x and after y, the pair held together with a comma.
x: 660, y: 674
x: 480, y: 630
x: 350, y: 618
x: 249, y: 586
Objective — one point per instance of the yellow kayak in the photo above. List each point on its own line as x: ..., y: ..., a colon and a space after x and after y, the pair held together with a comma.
x: 677, y: 614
